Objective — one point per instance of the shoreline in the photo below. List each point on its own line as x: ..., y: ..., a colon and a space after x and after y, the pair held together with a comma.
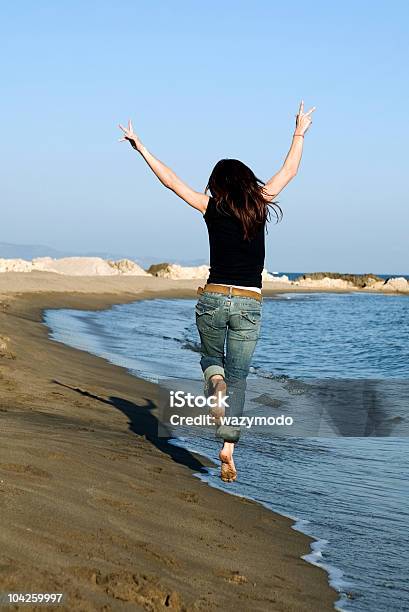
x: 85, y: 482
x: 47, y: 282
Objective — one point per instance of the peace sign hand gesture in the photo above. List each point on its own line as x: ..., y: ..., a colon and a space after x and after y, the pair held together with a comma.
x: 130, y: 136
x: 303, y: 120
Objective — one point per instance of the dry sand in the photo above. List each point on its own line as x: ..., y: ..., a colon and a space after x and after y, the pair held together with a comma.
x: 93, y: 505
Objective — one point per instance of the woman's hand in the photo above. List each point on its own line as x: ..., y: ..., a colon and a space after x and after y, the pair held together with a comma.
x: 303, y: 120
x: 130, y: 136
x: 166, y: 176
x: 290, y: 167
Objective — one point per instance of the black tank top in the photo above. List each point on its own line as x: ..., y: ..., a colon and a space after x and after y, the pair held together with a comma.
x: 233, y: 260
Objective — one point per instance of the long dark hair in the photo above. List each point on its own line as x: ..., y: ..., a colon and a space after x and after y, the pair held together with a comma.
x: 238, y: 191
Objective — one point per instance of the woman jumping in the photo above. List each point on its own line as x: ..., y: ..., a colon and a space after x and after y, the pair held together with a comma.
x: 228, y: 312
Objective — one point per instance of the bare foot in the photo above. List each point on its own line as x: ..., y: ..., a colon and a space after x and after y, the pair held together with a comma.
x: 218, y: 390
x: 228, y: 472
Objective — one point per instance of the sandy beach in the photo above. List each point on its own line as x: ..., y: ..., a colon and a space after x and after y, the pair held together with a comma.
x: 93, y: 505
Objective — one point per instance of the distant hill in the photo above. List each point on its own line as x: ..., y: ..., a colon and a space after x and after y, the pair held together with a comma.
x: 29, y: 251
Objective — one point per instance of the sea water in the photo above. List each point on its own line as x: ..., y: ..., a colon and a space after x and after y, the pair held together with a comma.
x: 350, y: 493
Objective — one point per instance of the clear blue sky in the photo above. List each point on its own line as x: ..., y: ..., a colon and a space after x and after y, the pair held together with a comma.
x: 203, y: 81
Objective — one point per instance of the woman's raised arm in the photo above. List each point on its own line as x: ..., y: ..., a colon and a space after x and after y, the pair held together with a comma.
x: 290, y: 167
x: 166, y: 176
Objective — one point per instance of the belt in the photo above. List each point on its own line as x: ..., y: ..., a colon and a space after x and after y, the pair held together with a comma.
x: 228, y: 290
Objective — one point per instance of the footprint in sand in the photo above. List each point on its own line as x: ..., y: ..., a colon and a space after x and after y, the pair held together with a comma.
x: 157, y: 470
x: 9, y: 496
x: 56, y: 394
x: 141, y: 490
x: 114, y: 503
x: 234, y: 577
x: 139, y: 589
x: 5, y: 348
x: 29, y: 470
x: 224, y: 524
x: 130, y: 587
x: 4, y: 344
x: 191, y: 498
x: 45, y: 454
x: 156, y: 555
x: 7, y: 384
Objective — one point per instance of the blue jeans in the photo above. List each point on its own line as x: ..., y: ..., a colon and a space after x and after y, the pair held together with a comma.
x: 229, y: 327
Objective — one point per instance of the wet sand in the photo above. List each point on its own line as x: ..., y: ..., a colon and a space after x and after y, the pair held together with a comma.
x: 93, y: 505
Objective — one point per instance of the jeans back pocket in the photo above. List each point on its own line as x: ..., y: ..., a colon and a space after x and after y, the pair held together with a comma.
x: 205, y: 312
x: 253, y: 316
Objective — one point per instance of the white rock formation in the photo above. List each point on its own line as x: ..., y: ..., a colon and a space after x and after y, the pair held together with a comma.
x: 177, y: 272
x: 325, y: 283
x: 127, y: 267
x: 15, y: 265
x: 399, y: 283
x: 267, y: 277
x: 74, y: 266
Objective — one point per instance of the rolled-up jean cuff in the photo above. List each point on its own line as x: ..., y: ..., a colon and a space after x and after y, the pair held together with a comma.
x: 211, y: 371
x: 228, y: 433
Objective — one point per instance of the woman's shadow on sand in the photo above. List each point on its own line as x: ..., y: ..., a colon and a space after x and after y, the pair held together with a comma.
x: 145, y: 424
